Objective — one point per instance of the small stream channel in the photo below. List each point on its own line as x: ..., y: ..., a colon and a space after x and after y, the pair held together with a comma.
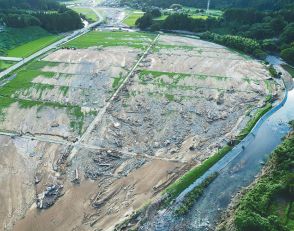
x: 240, y: 172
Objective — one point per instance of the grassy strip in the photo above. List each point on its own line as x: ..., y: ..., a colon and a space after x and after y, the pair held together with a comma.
x: 32, y: 47
x: 250, y: 125
x: 257, y: 209
x: 194, y: 195
x: 187, y: 179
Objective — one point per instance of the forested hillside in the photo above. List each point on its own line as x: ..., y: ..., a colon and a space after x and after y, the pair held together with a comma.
x: 257, y: 4
x: 255, y: 32
x: 45, y: 13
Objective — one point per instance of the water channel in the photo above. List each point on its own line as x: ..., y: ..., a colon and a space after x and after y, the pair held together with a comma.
x: 237, y: 169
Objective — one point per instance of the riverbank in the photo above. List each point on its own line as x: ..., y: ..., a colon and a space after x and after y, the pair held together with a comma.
x: 164, y: 215
x: 162, y: 207
x: 274, y: 187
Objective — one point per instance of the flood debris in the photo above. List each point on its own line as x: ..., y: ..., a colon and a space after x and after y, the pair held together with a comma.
x: 48, y: 197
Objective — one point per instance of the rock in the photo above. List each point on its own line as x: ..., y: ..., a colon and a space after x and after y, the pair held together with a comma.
x: 72, y: 139
x: 192, y: 148
x: 37, y: 180
x: 156, y: 145
x: 116, y: 125
x: 220, y: 99
x: 55, y: 124
x: 167, y: 142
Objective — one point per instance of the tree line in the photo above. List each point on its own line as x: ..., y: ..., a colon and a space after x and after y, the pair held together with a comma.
x: 219, y: 4
x: 272, y: 30
x: 47, y: 14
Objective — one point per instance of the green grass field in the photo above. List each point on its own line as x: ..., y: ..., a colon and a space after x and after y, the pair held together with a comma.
x: 107, y: 39
x: 199, y: 16
x: 20, y: 42
x: 5, y: 64
x: 32, y: 47
x: 90, y: 14
x: 132, y: 18
x: 161, y: 18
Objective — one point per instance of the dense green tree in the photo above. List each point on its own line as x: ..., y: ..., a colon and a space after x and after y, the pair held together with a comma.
x: 278, y: 24
x: 21, y: 20
x: 288, y: 55
x: 145, y: 21
x: 288, y: 34
x: 15, y: 13
x: 256, y: 4
x: 155, y: 13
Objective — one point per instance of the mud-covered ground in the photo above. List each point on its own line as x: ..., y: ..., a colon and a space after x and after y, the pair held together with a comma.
x: 141, y: 128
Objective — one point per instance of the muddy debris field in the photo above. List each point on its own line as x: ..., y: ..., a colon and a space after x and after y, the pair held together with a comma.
x: 93, y: 131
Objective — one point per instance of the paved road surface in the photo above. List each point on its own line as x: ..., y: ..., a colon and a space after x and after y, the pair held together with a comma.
x: 10, y: 58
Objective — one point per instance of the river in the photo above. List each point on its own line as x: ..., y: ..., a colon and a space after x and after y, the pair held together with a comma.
x: 240, y: 172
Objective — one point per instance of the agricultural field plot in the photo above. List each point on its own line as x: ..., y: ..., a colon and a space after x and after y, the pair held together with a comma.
x: 32, y: 47
x: 22, y: 42
x: 66, y: 89
x: 179, y: 106
x: 182, y: 99
x: 131, y: 19
x: 108, y: 39
x: 112, y: 16
x: 89, y: 13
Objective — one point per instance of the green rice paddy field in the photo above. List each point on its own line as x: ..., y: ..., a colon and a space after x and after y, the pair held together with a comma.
x: 107, y: 39
x: 132, y: 18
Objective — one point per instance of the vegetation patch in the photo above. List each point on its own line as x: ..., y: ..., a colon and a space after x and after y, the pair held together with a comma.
x: 22, y: 84
x: 250, y: 125
x: 268, y: 205
x: 131, y: 19
x: 289, y: 69
x: 187, y: 179
x: 11, y: 38
x: 193, y: 196
x: 23, y: 81
x: 117, y: 81
x: 89, y: 14
x: 107, y: 39
x: 6, y: 64
x: 32, y: 47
